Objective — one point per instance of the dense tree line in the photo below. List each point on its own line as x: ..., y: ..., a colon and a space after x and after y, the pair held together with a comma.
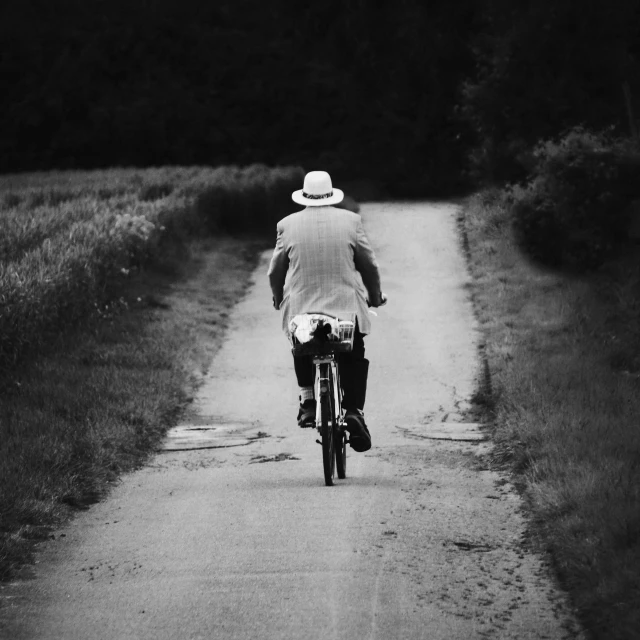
x: 403, y: 92
x: 544, y: 67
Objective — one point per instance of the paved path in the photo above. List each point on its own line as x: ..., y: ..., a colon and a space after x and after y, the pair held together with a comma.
x: 421, y: 540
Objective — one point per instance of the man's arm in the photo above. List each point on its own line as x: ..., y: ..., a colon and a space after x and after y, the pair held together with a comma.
x: 367, y: 265
x: 278, y: 270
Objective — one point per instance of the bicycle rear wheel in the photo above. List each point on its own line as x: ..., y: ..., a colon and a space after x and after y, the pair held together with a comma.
x: 341, y: 452
x: 327, y: 427
x: 340, y: 437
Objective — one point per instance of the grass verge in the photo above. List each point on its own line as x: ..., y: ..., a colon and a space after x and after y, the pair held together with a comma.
x: 103, y: 396
x: 564, y: 357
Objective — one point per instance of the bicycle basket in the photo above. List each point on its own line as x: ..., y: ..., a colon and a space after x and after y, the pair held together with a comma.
x: 321, y: 333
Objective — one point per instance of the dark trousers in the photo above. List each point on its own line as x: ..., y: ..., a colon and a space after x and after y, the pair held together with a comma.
x: 354, y: 369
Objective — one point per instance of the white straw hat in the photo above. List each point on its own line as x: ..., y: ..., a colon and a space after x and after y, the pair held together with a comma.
x: 317, y: 191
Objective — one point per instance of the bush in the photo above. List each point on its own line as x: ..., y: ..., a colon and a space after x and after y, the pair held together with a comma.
x: 349, y: 204
x: 248, y: 200
x: 573, y: 211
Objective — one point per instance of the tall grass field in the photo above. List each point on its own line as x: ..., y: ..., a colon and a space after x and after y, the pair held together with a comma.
x: 98, y: 342
x: 69, y: 240
x: 563, y: 350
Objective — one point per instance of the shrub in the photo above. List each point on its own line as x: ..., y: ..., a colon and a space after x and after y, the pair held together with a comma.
x: 249, y: 200
x: 349, y: 204
x: 573, y: 211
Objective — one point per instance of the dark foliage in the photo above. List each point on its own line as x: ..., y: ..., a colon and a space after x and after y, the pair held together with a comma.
x: 544, y: 67
x: 574, y: 211
x: 361, y: 90
x: 402, y: 94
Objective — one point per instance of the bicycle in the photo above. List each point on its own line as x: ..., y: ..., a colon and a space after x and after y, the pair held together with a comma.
x: 330, y: 336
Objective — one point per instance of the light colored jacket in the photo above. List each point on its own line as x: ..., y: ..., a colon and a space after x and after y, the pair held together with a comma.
x: 323, y: 263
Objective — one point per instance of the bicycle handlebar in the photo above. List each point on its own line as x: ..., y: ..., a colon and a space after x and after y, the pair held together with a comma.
x: 384, y: 300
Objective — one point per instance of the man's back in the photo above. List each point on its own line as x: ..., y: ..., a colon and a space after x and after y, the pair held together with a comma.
x: 321, y: 259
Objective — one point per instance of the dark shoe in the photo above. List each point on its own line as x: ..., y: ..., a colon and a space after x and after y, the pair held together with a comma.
x: 307, y: 414
x: 359, y: 436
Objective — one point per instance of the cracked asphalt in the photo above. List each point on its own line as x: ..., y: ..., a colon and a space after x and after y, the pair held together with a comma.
x: 231, y: 533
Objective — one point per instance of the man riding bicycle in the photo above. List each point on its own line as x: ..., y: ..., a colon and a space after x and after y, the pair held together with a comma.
x: 321, y: 261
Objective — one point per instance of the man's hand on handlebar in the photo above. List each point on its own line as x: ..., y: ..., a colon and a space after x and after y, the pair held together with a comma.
x: 382, y: 300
